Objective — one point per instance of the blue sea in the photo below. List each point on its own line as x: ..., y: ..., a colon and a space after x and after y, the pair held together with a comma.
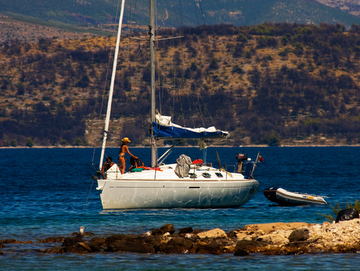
x: 50, y: 192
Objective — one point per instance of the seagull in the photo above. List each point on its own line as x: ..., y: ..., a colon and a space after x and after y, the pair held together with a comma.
x: 80, y: 234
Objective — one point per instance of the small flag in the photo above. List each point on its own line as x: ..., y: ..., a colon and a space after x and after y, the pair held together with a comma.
x: 261, y: 159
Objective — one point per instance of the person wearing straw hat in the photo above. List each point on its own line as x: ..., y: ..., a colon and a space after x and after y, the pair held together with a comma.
x: 124, y: 149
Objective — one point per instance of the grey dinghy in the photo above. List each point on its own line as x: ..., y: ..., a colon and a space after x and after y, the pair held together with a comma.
x: 284, y: 197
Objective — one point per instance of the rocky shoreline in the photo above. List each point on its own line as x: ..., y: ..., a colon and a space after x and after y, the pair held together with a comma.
x: 269, y: 239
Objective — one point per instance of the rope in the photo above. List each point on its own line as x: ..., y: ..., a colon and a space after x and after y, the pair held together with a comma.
x: 197, y: 18
x: 87, y: 199
x: 212, y: 121
x: 197, y: 106
x: 203, y: 16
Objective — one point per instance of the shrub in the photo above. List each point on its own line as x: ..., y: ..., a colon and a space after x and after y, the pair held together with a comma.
x: 29, y: 142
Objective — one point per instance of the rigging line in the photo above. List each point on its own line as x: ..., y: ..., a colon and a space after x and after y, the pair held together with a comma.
x: 180, y: 14
x: 202, y: 13
x: 212, y: 120
x: 176, y: 87
x: 200, y: 113
x: 190, y: 111
x: 177, y: 17
x: 107, y: 68
x: 196, y: 14
x: 179, y: 84
x: 197, y: 106
x: 87, y: 199
x: 157, y: 63
x: 131, y: 14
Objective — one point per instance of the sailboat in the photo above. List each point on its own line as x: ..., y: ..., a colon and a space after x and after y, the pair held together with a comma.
x: 184, y: 184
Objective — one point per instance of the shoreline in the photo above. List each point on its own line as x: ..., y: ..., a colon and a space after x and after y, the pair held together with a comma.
x: 148, y: 147
x: 269, y: 238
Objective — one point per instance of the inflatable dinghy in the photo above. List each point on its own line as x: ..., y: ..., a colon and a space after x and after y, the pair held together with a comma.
x: 287, y: 198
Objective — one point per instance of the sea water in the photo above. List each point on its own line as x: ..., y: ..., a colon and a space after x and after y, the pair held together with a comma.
x: 50, y: 192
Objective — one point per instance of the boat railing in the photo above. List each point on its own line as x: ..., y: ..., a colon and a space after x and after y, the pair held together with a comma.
x: 231, y: 166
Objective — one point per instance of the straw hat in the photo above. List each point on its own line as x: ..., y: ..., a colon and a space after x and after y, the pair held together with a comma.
x: 125, y: 139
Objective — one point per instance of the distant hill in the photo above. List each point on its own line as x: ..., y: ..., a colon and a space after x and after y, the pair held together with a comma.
x: 181, y: 13
x: 349, y: 6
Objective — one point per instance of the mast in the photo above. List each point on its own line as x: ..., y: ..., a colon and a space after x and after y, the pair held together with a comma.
x: 111, y: 92
x: 152, y: 85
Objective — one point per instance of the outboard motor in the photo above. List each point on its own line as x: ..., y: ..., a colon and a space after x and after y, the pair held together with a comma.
x: 241, y: 157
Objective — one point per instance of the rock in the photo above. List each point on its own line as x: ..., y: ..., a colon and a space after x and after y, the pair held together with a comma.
x: 52, y: 250
x: 71, y: 241
x: 129, y: 246
x: 52, y: 240
x: 215, y: 233
x: 99, y: 240
x: 271, y: 227
x: 116, y: 237
x: 295, y: 248
x: 164, y: 229
x: 192, y: 236
x: 238, y: 234
x: 184, y: 231
x: 241, y: 252
x: 250, y: 246
x: 176, y: 245
x: 180, y: 241
x: 299, y: 235
x: 96, y: 243
x: 75, y: 248
x: 214, y: 247
x: 270, y: 239
x: 9, y: 241
x: 274, y: 238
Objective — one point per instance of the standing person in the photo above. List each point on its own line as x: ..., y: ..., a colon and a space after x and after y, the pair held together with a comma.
x: 124, y: 149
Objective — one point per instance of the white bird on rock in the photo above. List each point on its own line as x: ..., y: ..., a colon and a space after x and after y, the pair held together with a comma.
x: 81, y: 233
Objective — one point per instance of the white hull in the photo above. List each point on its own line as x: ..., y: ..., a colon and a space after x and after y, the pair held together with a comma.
x: 164, y: 189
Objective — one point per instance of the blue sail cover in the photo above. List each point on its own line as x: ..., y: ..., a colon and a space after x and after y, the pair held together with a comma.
x: 174, y: 131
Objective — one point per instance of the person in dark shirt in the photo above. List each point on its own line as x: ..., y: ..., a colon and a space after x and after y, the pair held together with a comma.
x: 108, y: 164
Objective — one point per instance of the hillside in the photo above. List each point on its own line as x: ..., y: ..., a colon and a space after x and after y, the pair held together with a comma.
x: 349, y: 6
x: 11, y: 29
x: 99, y: 13
x: 268, y: 84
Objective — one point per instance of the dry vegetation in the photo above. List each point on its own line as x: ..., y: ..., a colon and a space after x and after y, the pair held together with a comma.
x: 270, y: 84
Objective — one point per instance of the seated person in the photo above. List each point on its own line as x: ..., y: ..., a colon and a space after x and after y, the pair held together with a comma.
x: 135, y: 163
x: 108, y: 164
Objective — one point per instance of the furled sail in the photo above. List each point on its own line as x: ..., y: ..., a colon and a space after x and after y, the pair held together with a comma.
x: 164, y: 128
